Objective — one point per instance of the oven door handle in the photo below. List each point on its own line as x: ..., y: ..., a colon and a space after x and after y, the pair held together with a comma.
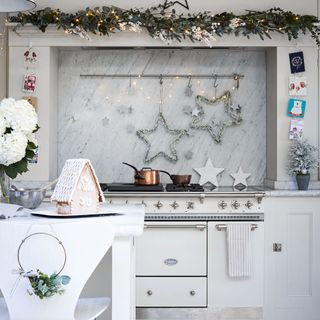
x: 200, y: 227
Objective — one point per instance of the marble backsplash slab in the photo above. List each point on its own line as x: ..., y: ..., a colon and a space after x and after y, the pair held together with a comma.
x: 98, y: 117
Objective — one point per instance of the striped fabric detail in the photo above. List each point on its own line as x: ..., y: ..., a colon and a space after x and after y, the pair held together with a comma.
x: 239, y: 250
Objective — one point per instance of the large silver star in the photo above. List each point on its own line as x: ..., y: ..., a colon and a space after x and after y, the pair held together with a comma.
x: 169, y: 4
x: 176, y: 133
x: 240, y: 178
x: 208, y: 174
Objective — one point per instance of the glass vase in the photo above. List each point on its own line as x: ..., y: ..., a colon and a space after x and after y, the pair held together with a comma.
x: 4, y: 186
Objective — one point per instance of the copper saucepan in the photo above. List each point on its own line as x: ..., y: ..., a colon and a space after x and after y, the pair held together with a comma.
x: 146, y: 176
x: 179, y: 179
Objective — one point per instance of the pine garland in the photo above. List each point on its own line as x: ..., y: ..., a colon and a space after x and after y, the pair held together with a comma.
x: 169, y: 26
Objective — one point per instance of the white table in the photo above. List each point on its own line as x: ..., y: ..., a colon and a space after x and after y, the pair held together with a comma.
x: 127, y: 226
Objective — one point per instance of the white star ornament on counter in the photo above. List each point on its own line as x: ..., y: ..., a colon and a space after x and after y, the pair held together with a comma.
x: 240, y: 179
x: 208, y: 174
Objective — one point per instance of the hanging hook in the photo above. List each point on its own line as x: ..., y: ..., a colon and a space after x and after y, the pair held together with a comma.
x: 161, y: 79
x: 189, y: 85
x: 215, y: 84
x: 236, y: 77
x: 215, y: 77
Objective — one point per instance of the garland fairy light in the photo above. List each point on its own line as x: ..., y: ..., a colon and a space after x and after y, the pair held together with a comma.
x: 168, y: 25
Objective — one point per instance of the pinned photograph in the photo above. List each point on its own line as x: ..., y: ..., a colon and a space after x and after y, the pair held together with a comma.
x: 297, y: 86
x: 296, y: 108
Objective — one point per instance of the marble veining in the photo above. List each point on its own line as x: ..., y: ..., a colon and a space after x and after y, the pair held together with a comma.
x: 98, y: 117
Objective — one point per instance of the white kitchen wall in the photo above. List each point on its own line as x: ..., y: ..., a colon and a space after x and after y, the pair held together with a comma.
x: 98, y: 117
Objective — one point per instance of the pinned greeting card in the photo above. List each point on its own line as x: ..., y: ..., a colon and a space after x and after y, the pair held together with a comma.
x: 297, y: 86
x: 296, y: 129
x: 29, y: 83
x: 296, y: 62
x: 296, y: 108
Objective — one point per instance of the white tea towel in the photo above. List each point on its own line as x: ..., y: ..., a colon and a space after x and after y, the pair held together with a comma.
x: 239, y: 250
x: 12, y: 210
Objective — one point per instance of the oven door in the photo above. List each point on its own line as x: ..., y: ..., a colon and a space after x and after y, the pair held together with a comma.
x: 224, y: 291
x: 172, y: 249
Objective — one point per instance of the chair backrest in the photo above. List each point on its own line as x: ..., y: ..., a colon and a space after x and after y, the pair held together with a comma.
x: 85, y: 241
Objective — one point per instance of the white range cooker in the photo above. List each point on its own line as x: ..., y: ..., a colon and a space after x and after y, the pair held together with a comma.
x: 182, y: 255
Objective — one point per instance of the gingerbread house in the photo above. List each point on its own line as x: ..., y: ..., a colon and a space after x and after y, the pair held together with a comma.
x: 78, y: 190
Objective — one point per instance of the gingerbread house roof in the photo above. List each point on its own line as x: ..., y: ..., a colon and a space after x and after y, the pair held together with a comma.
x: 69, y: 178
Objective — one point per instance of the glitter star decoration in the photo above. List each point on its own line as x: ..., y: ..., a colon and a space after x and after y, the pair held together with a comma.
x: 216, y: 128
x: 177, y: 134
x: 208, y: 174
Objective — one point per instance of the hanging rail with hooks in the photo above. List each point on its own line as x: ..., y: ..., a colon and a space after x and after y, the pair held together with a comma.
x: 233, y: 76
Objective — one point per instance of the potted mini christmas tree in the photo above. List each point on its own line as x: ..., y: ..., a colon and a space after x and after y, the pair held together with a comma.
x: 302, y: 159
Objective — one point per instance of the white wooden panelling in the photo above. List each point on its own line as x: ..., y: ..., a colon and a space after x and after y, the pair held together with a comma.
x: 292, y: 285
x: 171, y: 291
x: 184, y: 243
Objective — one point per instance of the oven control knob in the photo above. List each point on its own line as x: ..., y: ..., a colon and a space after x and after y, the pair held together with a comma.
x: 174, y: 205
x: 249, y: 204
x: 222, y: 204
x: 190, y: 205
x: 235, y: 204
x: 158, y: 205
x: 149, y: 292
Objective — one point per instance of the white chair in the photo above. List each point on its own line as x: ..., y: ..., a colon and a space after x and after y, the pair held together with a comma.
x: 85, y: 241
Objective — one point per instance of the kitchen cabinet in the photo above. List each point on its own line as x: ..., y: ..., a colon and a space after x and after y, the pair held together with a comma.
x: 292, y: 258
x: 224, y: 291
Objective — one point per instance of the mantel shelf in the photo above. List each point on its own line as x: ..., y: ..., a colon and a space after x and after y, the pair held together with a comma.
x: 21, y: 35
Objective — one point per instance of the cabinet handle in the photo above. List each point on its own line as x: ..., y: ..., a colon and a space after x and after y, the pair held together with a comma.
x: 192, y: 292
x: 200, y: 227
x: 277, y: 247
x: 149, y: 292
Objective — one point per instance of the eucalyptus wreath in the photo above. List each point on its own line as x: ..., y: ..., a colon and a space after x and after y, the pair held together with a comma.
x: 169, y: 25
x: 39, y: 283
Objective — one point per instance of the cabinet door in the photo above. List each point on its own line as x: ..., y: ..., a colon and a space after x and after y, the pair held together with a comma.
x: 292, y: 269
x: 170, y: 249
x: 224, y: 291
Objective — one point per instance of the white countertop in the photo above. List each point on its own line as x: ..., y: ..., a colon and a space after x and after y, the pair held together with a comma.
x: 292, y: 193
x: 129, y: 222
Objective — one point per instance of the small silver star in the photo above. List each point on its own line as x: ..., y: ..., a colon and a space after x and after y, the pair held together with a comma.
x: 240, y: 178
x: 196, y: 112
x: 208, y: 173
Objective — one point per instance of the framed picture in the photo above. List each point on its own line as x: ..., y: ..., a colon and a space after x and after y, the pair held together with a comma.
x: 296, y: 108
x: 29, y: 83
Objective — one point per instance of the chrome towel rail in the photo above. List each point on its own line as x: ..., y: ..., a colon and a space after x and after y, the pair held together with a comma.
x: 222, y: 227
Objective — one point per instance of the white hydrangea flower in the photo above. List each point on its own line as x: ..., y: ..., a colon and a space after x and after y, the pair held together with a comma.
x: 21, y: 118
x: 13, y: 147
x: 3, y: 124
x: 19, y: 115
x: 32, y: 138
